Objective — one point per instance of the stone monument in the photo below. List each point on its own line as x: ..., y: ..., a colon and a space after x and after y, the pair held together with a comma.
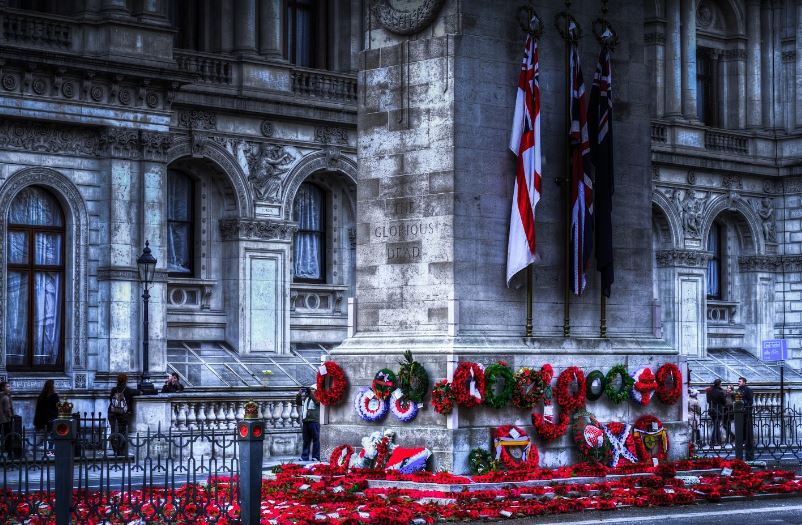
x: 434, y: 194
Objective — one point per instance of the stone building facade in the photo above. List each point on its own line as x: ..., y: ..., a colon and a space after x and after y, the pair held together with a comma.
x: 315, y: 173
x: 221, y: 133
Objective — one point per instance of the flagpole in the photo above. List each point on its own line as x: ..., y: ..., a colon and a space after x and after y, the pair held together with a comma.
x: 529, y: 279
x: 564, y: 30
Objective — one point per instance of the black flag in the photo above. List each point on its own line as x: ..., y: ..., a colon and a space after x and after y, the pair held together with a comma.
x: 600, y: 123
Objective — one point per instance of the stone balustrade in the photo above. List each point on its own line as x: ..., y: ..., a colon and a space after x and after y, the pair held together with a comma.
x: 727, y: 142
x: 222, y: 414
x: 323, y: 84
x: 210, y: 68
x: 658, y: 132
x: 317, y: 299
x: 721, y: 312
x: 30, y: 29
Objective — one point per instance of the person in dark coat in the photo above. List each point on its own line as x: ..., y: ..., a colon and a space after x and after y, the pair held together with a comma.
x: 46, y: 412
x: 121, y: 408
x: 172, y: 384
x: 7, y: 438
x: 716, y: 404
x: 748, y: 398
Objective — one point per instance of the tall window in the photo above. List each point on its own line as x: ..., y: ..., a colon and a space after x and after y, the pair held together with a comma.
x: 35, y: 296
x: 309, y: 243
x: 180, y: 200
x: 706, y: 88
x: 714, y: 245
x: 303, y: 33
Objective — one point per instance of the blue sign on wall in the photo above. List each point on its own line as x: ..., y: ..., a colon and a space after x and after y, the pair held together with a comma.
x: 775, y: 350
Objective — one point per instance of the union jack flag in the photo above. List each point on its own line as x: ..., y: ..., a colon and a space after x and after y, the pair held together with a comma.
x: 581, y: 182
x: 525, y: 143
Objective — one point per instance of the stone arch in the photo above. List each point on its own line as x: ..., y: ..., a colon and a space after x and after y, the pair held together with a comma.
x: 330, y: 159
x: 224, y: 160
x: 665, y: 216
x: 726, y: 18
x: 743, y: 217
x: 77, y: 242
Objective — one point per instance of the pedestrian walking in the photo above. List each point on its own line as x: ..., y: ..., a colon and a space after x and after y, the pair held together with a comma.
x: 172, y: 384
x: 46, y: 412
x: 10, y: 438
x: 716, y: 404
x: 748, y: 398
x: 121, y: 408
x: 310, y: 417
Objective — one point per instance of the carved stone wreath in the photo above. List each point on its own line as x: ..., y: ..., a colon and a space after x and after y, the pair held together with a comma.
x: 406, y: 21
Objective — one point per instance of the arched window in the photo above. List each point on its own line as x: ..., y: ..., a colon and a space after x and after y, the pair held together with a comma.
x: 35, y: 296
x: 180, y: 225
x: 309, y: 243
x: 714, y: 246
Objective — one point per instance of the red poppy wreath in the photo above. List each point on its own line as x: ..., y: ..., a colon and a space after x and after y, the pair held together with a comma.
x: 468, y: 384
x: 570, y: 402
x: 669, y: 383
x: 336, y: 383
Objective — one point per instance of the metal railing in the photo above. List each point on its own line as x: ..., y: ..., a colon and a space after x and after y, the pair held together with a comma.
x: 154, y: 477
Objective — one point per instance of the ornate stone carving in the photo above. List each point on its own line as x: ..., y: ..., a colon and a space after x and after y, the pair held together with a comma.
x: 789, y: 56
x: 654, y: 38
x: 691, y: 210
x: 47, y: 138
x: 732, y: 181
x: 80, y: 381
x: 197, y: 119
x: 120, y: 143
x: 683, y: 258
x: 333, y: 156
x: 155, y: 145
x: 764, y: 208
x: 772, y: 186
x: 760, y: 263
x: 406, y: 21
x: 691, y: 177
x: 704, y: 15
x: 331, y: 135
x: 267, y: 128
x: 259, y: 229
x: 267, y: 166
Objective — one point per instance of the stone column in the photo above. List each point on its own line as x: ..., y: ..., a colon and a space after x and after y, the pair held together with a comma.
x: 154, y: 11
x: 656, y: 53
x: 688, y: 37
x: 153, y: 171
x: 89, y: 8
x: 271, y: 29
x: 114, y: 8
x: 798, y: 68
x: 245, y: 26
x: 226, y: 27
x: 766, y: 64
x: 673, y: 60
x: 119, y: 294
x: 754, y: 104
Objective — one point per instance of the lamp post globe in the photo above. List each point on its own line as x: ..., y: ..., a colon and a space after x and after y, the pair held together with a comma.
x: 146, y: 264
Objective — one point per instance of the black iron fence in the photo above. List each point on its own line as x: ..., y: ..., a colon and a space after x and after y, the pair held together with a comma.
x: 83, y: 472
x: 772, y: 434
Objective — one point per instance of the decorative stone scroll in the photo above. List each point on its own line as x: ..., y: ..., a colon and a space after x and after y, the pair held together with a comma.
x: 256, y: 229
x: 682, y: 258
x: 406, y: 21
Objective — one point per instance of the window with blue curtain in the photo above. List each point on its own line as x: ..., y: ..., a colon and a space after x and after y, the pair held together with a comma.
x: 35, y: 282
x: 714, y: 245
x: 309, y: 241
x: 302, y: 32
x: 180, y: 225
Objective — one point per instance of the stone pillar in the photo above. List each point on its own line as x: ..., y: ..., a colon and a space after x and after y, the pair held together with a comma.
x: 245, y: 26
x: 779, y: 110
x: 154, y: 11
x: 114, y: 8
x: 656, y: 53
x: 226, y: 27
x: 798, y: 69
x: 119, y: 296
x: 673, y: 60
x: 766, y: 63
x: 90, y: 8
x: 688, y: 37
x: 754, y: 103
x: 271, y: 30
x: 153, y: 200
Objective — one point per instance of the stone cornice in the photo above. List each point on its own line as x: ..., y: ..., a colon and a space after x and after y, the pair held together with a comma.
x: 682, y: 258
x: 124, y: 273
x: 257, y: 229
x: 770, y: 263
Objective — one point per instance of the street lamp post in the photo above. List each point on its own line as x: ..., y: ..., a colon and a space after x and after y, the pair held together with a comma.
x: 146, y: 264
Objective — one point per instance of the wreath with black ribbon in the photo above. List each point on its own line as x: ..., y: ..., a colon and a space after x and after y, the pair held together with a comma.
x: 492, y: 374
x: 592, y: 393
x: 384, y: 382
x: 622, y: 393
x: 413, y: 379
